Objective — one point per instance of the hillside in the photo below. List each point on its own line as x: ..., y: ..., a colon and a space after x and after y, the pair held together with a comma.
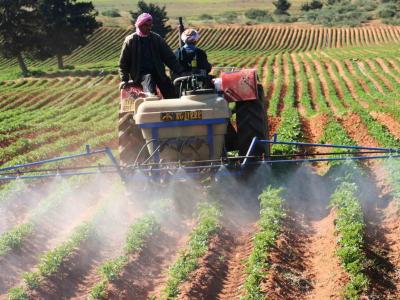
x: 224, y: 45
x: 190, y: 10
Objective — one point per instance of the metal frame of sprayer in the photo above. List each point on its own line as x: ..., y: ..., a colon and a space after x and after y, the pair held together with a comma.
x: 232, y: 163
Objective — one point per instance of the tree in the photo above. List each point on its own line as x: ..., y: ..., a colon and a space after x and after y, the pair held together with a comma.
x: 19, y: 22
x: 281, y: 7
x: 159, y: 14
x: 66, y: 25
x: 314, y: 4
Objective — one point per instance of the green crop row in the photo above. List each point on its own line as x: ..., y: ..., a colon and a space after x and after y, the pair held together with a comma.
x: 188, y: 260
x: 269, y: 78
x: 393, y: 167
x: 105, y: 132
x: 43, y: 112
x: 332, y: 93
x: 350, y: 227
x: 13, y: 239
x: 315, y: 85
x: 277, y: 85
x: 390, y: 50
x: 8, y: 189
x: 305, y: 97
x: 390, y: 105
x: 51, y: 261
x: 290, y: 127
x: 104, y: 46
x: 271, y: 215
x: 378, y: 131
x: 14, y: 188
x: 334, y: 133
x: 138, y: 234
x: 36, y: 98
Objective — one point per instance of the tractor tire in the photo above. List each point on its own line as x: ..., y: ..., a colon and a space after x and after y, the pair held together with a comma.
x: 231, y: 143
x: 251, y: 121
x: 130, y: 140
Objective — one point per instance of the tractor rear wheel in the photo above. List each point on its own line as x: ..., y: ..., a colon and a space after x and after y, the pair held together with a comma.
x: 130, y: 139
x: 251, y: 121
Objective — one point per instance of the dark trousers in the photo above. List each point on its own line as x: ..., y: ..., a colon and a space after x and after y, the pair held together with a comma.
x: 150, y: 82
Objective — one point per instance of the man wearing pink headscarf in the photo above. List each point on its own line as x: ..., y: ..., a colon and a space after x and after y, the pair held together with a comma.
x: 143, y: 58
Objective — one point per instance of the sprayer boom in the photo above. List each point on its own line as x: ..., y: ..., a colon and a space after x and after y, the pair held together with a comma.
x: 305, y: 153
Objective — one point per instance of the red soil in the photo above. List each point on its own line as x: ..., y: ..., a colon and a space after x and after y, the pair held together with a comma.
x: 393, y: 64
x: 335, y: 81
x: 6, y: 142
x: 387, y: 120
x: 80, y: 271
x: 313, y: 128
x: 303, y: 264
x: 51, y: 230
x: 378, y: 73
x: 360, y: 81
x: 357, y: 130
x: 324, y: 85
x: 273, y: 125
x: 270, y: 91
x: 325, y: 270
x: 207, y: 281
x: 385, y: 68
x: 146, y: 274
x: 241, y: 248
x: 283, y: 91
x: 382, y: 245
x: 382, y: 220
x: 286, y: 278
x: 16, y: 206
x: 376, y: 84
x: 347, y: 81
x: 298, y: 87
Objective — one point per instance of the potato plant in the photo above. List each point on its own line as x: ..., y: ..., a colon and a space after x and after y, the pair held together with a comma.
x: 271, y: 215
x: 138, y: 234
x: 199, y: 238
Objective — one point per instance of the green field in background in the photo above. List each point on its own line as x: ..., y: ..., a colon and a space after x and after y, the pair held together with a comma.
x: 188, y: 9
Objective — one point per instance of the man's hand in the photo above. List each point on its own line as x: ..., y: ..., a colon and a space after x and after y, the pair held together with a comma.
x: 122, y: 85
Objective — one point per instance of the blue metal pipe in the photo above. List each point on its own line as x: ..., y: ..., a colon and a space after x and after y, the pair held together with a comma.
x: 52, y: 175
x: 254, y: 141
x: 331, y: 159
x: 253, y: 144
x: 54, y: 160
x: 233, y: 166
x: 88, y: 152
x: 330, y: 146
x: 194, y: 168
x: 114, y: 161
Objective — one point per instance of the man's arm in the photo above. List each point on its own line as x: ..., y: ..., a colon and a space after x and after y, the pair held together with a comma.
x: 125, y: 60
x: 204, y: 64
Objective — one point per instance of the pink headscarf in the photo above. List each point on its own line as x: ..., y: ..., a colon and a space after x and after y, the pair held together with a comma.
x: 190, y: 35
x: 141, y: 19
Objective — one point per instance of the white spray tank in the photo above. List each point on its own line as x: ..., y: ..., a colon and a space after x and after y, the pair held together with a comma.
x: 190, y: 128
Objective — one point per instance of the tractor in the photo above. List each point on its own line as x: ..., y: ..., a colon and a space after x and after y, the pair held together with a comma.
x: 196, y: 127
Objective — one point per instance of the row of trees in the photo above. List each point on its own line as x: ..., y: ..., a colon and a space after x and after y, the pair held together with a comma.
x: 327, y: 12
x: 41, y: 29
x: 351, y: 12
